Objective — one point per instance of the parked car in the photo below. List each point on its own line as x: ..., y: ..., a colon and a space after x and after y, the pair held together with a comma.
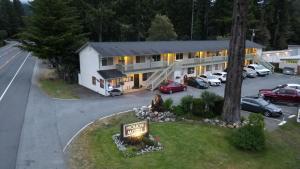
x: 287, y: 95
x: 197, y: 82
x: 244, y: 73
x: 250, y: 72
x: 259, y: 105
x: 288, y: 71
x: 115, y: 92
x: 221, y: 76
x: 171, y: 87
x: 286, y: 86
x: 260, y: 70
x: 211, y: 80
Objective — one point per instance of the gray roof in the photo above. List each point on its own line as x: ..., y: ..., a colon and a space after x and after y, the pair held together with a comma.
x: 107, y: 49
x: 111, y: 74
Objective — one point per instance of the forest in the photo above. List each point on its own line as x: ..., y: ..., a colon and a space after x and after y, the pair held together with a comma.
x: 59, y: 27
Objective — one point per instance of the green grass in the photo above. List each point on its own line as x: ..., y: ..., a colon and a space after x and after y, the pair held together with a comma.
x: 187, y: 146
x: 58, y: 88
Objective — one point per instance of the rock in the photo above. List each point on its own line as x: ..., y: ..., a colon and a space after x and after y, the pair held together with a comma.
x: 135, y: 109
x: 167, y: 119
x: 206, y: 120
x: 230, y: 126
x: 217, y: 121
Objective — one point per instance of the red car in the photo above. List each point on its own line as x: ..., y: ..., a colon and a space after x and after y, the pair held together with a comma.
x: 287, y: 95
x: 170, y: 87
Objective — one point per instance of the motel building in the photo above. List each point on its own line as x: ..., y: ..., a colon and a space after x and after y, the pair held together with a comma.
x: 130, y: 66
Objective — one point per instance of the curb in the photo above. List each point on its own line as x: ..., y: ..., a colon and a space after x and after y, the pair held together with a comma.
x: 87, y: 125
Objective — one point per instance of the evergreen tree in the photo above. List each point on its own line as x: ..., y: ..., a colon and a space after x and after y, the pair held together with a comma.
x: 294, y: 22
x: 19, y: 12
x: 7, y: 17
x: 202, y: 19
x: 161, y: 29
x: 54, y: 33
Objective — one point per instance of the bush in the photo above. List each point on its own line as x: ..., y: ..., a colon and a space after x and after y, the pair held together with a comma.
x: 256, y: 120
x: 186, y: 103
x: 178, y: 110
x: 167, y: 105
x: 249, y: 138
x: 198, y: 107
x: 213, y: 103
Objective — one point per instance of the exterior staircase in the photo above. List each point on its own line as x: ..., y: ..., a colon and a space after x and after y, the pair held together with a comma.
x: 266, y: 64
x: 159, y: 76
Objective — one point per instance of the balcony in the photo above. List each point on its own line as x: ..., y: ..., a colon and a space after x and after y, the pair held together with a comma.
x: 139, y: 67
x: 209, y: 60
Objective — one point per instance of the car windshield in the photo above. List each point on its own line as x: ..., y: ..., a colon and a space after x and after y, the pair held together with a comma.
x: 262, y: 102
x: 259, y: 67
x: 211, y: 77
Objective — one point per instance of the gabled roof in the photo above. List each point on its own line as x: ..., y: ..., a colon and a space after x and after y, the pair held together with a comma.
x: 108, y: 49
x: 111, y: 74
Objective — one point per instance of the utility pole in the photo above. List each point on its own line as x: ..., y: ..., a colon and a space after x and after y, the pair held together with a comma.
x: 192, y: 24
x: 253, y: 34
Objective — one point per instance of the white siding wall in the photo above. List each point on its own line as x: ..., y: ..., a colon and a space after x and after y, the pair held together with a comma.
x: 89, y: 65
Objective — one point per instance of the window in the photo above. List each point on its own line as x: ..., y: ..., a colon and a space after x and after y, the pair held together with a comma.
x: 208, y: 67
x: 179, y: 56
x: 217, y: 67
x: 140, y: 59
x: 145, y: 76
x: 94, y: 80
x: 191, y: 55
x: 107, y: 61
x: 102, y: 83
x: 156, y: 58
x: 191, y: 70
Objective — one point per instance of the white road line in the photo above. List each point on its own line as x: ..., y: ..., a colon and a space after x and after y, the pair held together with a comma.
x: 5, y: 52
x: 78, y: 132
x: 70, y: 141
x: 10, y: 46
x: 2, y: 66
x: 2, y: 96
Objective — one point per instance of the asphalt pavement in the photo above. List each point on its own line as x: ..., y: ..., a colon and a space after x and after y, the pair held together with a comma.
x: 16, y: 69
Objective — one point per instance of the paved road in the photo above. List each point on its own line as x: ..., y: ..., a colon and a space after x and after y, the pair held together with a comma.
x: 15, y: 81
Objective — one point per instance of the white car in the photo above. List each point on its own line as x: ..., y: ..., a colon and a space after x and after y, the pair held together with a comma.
x: 290, y: 85
x: 260, y: 70
x: 221, y: 76
x: 250, y: 72
x: 211, y: 80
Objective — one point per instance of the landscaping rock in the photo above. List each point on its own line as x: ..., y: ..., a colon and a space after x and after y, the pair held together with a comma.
x: 145, y: 113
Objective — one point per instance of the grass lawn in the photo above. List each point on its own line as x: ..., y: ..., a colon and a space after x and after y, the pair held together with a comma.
x: 186, y: 146
x: 58, y: 88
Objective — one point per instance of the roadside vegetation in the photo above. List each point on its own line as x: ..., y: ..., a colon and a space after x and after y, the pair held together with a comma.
x: 58, y: 88
x: 186, y: 145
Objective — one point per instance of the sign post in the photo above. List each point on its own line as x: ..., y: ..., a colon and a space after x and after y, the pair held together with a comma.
x: 298, y: 117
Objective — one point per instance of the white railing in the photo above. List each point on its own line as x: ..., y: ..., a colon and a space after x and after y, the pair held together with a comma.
x: 141, y: 66
x: 162, y: 76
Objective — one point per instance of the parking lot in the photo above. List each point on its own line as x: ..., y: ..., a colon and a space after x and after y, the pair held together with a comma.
x: 251, y: 87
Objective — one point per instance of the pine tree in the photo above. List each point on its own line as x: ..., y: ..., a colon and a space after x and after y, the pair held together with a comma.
x: 19, y: 12
x: 161, y: 29
x: 54, y: 33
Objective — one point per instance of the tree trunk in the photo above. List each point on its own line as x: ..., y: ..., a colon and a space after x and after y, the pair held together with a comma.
x: 231, y: 109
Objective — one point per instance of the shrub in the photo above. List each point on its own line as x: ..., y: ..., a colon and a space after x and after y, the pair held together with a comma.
x: 186, y: 103
x: 213, y: 103
x: 178, y: 110
x: 167, y: 105
x: 249, y: 138
x: 256, y: 120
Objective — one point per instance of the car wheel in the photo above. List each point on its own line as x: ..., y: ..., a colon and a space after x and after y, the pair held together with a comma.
x: 209, y: 83
x: 267, y: 113
x: 170, y: 92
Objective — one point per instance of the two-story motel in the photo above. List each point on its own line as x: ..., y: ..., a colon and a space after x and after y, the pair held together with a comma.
x: 132, y: 65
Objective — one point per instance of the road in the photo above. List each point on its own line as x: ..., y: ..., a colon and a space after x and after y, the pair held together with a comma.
x: 16, y: 67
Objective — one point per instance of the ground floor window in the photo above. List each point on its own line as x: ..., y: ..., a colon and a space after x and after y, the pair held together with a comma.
x: 208, y: 67
x: 216, y: 67
x: 145, y: 76
x: 191, y: 70
x: 94, y: 80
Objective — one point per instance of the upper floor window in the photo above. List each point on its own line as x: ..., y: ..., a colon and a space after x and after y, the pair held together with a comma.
x: 216, y: 67
x: 179, y: 56
x: 107, y: 61
x: 94, y: 80
x: 140, y: 59
x: 156, y: 58
x: 191, y: 55
x: 208, y: 67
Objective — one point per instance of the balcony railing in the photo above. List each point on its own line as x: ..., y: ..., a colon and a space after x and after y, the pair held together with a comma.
x: 141, y: 66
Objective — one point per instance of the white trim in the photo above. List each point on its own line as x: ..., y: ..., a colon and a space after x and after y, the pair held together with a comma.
x: 14, y: 77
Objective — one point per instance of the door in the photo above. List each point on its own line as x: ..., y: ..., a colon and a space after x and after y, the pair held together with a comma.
x: 136, y: 81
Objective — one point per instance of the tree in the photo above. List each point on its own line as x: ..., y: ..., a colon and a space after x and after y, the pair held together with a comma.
x: 54, y: 33
x: 161, y: 29
x: 232, y: 99
x: 202, y: 19
x: 7, y: 17
x: 294, y: 22
x: 19, y: 12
